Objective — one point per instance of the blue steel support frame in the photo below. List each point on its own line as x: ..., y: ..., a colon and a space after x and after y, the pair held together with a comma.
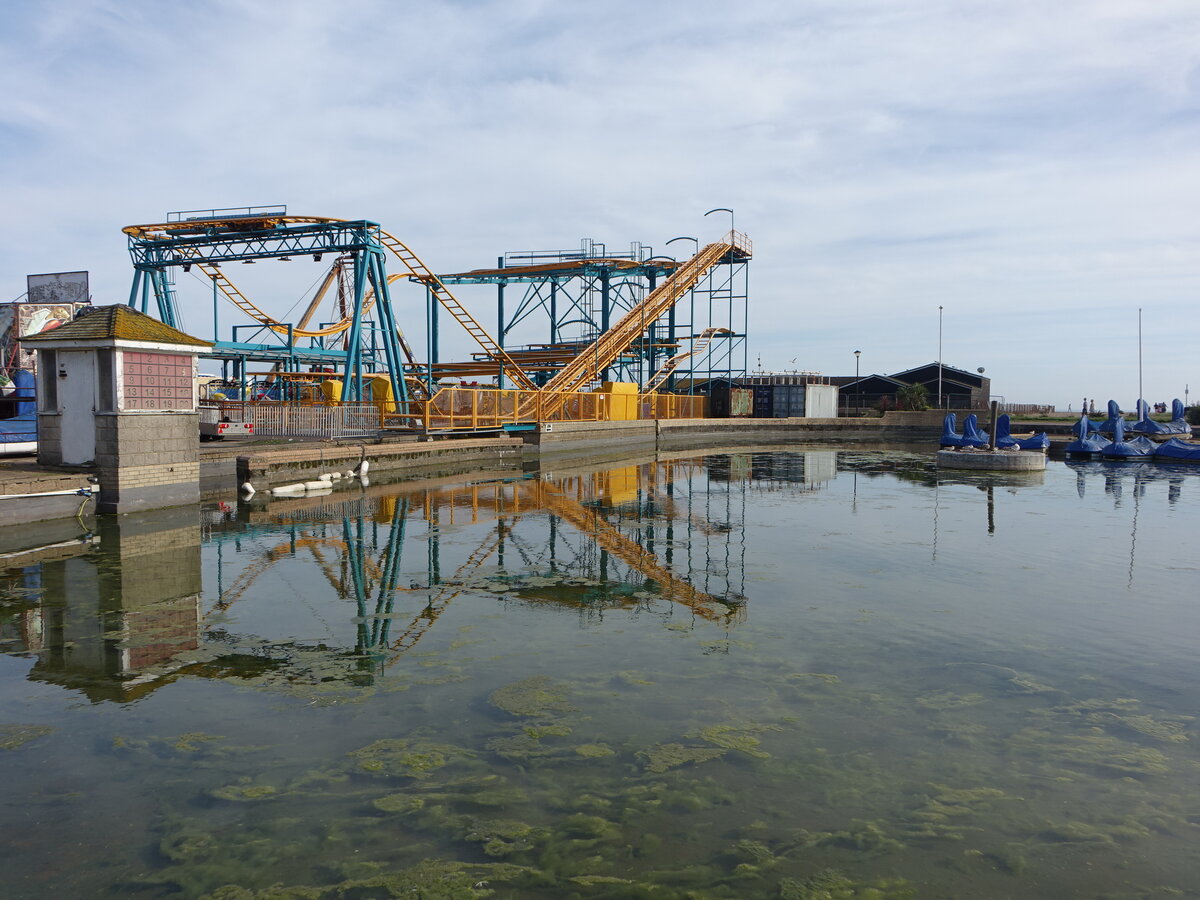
x: 215, y: 241
x: 605, y: 284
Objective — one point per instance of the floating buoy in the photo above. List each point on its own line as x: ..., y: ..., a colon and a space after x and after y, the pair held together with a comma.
x: 247, y: 488
x: 363, y: 468
x: 317, y: 485
x: 296, y: 488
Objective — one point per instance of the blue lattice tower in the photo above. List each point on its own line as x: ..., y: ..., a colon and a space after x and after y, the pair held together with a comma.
x: 209, y: 238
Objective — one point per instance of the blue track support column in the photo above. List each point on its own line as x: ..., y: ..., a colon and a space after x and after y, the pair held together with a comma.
x: 352, y: 374
x: 652, y: 350
x: 500, y: 324
x: 387, y: 319
x: 133, y: 291
x: 605, y: 311
x: 554, y: 312
x: 431, y: 336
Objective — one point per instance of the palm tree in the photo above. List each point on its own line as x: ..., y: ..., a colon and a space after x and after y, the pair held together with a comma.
x: 913, y: 396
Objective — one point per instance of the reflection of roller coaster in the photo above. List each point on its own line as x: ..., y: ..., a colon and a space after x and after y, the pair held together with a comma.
x: 365, y: 337
x: 616, y: 547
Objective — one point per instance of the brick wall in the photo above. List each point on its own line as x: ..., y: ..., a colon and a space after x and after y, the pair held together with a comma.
x: 147, y: 460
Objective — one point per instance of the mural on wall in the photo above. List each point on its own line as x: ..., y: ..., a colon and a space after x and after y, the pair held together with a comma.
x: 18, y: 320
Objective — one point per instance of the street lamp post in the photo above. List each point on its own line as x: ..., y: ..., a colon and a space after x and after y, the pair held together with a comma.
x: 857, y: 386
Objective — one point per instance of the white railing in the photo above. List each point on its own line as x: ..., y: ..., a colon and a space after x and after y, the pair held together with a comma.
x: 346, y: 420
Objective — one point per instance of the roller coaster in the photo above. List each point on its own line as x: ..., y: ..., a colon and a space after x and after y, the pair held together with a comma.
x: 363, y: 343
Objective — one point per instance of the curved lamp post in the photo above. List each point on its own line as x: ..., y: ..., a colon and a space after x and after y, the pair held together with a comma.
x: 724, y: 209
x: 684, y: 237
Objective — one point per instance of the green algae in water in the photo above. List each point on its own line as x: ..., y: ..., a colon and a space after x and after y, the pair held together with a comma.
x: 942, y: 814
x: 1100, y: 752
x: 554, y: 729
x: 534, y: 697
x: 411, y: 758
x: 245, y: 791
x: 1123, y: 716
x: 192, y: 741
x: 662, y: 757
x: 14, y: 736
x: 399, y: 803
x: 869, y: 837
x: 504, y: 837
x: 732, y: 737
x: 1018, y: 682
x: 594, y: 751
x: 832, y: 885
x: 942, y: 700
x: 431, y: 879
x: 823, y: 677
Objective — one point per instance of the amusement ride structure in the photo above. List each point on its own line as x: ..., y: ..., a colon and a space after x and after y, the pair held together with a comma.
x: 613, y: 317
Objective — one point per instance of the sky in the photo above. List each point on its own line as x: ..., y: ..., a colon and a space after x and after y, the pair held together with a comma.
x: 1028, y: 167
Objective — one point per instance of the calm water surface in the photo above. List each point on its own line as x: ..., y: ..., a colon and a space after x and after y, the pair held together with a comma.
x: 829, y: 674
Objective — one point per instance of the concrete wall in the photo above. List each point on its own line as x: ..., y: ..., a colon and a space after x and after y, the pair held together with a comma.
x: 50, y: 439
x: 681, y: 434
x: 594, y: 440
x: 270, y: 466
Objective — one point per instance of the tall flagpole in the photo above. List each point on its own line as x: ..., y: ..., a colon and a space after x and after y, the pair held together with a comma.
x: 1141, y: 396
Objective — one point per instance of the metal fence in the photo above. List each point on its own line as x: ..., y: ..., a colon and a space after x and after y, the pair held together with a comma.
x: 282, y: 419
x: 1027, y: 409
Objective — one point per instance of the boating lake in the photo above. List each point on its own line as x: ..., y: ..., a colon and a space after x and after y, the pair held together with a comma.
x: 799, y: 675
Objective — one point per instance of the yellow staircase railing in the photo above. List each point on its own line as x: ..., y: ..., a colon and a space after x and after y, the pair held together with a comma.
x: 584, y: 369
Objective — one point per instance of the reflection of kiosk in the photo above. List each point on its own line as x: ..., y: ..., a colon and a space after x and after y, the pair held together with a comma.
x: 112, y: 620
x: 117, y: 389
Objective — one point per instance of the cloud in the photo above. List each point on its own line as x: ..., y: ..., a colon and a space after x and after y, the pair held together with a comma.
x: 1021, y: 164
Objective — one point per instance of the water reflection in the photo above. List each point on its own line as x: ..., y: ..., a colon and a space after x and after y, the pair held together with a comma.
x: 117, y: 607
x: 118, y: 613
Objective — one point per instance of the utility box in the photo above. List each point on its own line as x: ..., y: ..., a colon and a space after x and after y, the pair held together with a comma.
x: 821, y: 401
x: 622, y: 400
x: 117, y: 390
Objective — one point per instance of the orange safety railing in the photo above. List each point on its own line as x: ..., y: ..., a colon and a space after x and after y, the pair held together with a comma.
x: 672, y: 406
x: 480, y: 409
x: 452, y: 409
